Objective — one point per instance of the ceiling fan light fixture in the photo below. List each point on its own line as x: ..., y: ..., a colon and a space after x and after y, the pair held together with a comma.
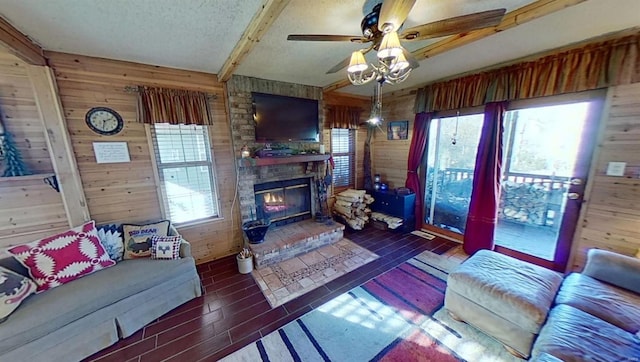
x: 390, y: 46
x: 357, y: 63
x: 400, y: 64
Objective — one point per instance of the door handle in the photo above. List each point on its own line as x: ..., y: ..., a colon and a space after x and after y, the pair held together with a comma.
x: 576, y: 181
x: 573, y: 195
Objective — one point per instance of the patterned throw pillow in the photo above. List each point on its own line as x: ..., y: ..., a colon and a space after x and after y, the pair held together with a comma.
x: 14, y: 288
x: 61, y: 258
x: 137, y: 238
x: 111, y: 238
x: 165, y: 247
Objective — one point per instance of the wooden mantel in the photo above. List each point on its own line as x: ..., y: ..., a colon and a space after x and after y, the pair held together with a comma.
x: 249, y: 162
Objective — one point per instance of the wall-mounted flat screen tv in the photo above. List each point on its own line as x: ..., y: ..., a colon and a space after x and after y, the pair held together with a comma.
x: 285, y: 119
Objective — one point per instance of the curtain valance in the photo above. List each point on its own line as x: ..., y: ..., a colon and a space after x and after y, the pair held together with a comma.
x: 343, y: 117
x: 593, y: 66
x: 174, y: 106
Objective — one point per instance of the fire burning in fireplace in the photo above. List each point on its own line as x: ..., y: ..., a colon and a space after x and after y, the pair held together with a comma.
x: 274, y: 202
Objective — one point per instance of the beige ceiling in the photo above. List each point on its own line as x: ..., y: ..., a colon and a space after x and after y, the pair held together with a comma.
x: 200, y: 34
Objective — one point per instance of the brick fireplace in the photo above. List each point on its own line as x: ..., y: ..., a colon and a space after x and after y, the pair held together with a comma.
x: 298, y: 233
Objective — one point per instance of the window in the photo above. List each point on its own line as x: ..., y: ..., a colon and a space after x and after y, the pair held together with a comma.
x: 185, y: 169
x: 344, y: 156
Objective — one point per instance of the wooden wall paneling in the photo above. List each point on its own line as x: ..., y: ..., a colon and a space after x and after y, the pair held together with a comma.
x: 59, y: 143
x: 29, y: 208
x: 610, y: 218
x: 391, y: 156
x: 126, y: 192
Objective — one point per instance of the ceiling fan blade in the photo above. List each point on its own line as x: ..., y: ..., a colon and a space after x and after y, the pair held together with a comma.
x: 339, y: 66
x: 456, y: 25
x: 321, y: 37
x: 413, y: 62
x: 346, y: 61
x: 394, y: 13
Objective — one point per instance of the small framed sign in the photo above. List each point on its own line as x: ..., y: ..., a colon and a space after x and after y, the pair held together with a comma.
x: 398, y: 130
x: 111, y: 152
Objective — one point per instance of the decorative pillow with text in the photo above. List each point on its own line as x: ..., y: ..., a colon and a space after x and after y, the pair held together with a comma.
x: 165, y: 247
x: 137, y: 238
x: 64, y: 257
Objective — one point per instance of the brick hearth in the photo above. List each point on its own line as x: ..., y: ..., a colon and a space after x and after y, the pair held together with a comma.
x: 288, y: 241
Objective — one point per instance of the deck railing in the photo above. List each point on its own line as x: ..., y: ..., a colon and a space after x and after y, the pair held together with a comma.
x: 525, y: 198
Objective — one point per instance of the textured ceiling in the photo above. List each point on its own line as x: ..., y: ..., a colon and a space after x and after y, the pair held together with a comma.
x: 200, y: 34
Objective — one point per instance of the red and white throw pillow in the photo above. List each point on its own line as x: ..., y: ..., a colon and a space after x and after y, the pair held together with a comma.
x: 61, y: 258
x: 165, y: 247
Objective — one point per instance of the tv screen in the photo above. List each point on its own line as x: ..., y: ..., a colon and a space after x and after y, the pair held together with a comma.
x: 285, y: 119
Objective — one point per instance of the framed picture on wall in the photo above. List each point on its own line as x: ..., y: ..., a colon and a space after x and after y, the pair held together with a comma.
x: 398, y: 130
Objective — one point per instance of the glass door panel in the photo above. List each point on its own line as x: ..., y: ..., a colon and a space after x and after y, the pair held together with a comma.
x: 542, y: 147
x: 451, y: 156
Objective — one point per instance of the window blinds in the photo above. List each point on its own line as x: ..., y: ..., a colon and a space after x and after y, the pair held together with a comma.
x: 343, y: 152
x: 184, y: 161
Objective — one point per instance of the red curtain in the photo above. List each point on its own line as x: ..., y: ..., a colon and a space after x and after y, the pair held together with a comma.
x: 485, y: 196
x: 416, y: 151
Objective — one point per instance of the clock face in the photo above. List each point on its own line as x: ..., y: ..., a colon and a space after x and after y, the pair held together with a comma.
x: 104, y: 121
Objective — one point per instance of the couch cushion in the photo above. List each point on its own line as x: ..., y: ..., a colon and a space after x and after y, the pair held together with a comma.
x: 62, y: 258
x: 137, y: 238
x: 50, y: 310
x: 14, y: 288
x: 165, y: 247
x: 515, y: 290
x: 615, y: 305
x: 111, y: 238
x: 573, y: 335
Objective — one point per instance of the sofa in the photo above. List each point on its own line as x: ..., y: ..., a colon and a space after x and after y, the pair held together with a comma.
x: 596, y: 313
x: 77, y: 319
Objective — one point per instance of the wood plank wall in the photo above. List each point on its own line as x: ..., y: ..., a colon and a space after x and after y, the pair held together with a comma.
x: 336, y: 98
x: 390, y: 156
x: 29, y: 208
x: 126, y: 192
x: 611, y: 215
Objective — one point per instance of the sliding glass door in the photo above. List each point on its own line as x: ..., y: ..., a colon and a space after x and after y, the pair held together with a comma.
x: 452, y: 148
x: 546, y: 155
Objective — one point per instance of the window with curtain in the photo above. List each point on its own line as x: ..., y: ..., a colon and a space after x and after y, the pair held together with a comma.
x: 185, y: 168
x: 344, y: 156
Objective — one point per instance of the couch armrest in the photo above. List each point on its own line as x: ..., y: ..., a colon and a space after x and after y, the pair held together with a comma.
x: 185, y: 249
x: 185, y: 246
x: 620, y: 270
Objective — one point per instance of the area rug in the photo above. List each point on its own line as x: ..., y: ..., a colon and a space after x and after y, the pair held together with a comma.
x: 294, y: 277
x: 397, y: 316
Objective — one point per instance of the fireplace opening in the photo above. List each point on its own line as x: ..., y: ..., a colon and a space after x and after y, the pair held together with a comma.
x: 283, y: 202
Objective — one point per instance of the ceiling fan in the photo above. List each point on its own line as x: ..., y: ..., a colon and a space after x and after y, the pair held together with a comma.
x: 380, y: 28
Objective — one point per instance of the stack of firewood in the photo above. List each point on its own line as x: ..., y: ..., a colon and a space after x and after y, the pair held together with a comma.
x: 353, y: 207
x: 391, y: 221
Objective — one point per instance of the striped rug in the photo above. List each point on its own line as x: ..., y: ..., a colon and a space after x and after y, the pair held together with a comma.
x: 397, y: 316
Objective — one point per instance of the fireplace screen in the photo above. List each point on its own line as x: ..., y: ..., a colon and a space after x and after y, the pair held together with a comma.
x: 284, y: 202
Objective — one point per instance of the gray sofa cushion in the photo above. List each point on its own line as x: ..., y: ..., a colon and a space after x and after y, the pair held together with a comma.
x: 573, y: 335
x: 46, y: 312
x: 617, y: 306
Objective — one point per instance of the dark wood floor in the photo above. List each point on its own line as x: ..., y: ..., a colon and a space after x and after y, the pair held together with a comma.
x: 233, y: 312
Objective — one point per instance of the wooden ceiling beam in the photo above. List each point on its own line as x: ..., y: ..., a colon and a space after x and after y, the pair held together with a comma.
x: 20, y: 45
x: 517, y: 17
x: 256, y: 29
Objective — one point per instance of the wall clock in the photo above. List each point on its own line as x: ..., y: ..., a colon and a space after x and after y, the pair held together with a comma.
x: 104, y: 121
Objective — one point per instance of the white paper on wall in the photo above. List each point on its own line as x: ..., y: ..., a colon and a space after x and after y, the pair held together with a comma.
x: 111, y: 152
